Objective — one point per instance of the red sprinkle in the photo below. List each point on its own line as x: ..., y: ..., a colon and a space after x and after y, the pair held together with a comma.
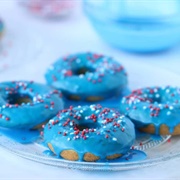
x: 107, y: 136
x: 7, y: 118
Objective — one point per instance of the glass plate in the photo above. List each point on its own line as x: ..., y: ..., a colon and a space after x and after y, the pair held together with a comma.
x: 14, y: 51
x: 158, y: 150
x: 35, y: 152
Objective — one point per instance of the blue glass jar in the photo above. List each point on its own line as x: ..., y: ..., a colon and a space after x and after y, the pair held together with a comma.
x: 136, y: 25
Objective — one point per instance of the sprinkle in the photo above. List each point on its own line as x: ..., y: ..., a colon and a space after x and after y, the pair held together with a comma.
x: 114, y: 139
x: 171, y: 107
x: 167, y: 91
x: 157, y: 95
x: 168, y: 113
x: 7, y: 118
x: 46, y: 106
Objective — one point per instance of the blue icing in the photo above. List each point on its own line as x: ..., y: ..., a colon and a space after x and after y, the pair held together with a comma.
x: 21, y: 136
x: 102, y: 76
x: 1, y: 27
x: 93, y: 129
x: 155, y: 105
x: 25, y: 104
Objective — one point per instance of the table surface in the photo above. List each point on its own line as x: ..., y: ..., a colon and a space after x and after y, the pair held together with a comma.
x: 70, y: 35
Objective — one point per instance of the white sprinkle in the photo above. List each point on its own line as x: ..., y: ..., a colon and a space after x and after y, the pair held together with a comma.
x: 119, y: 121
x: 144, y: 107
x: 171, y: 108
x: 137, y: 101
x: 68, y: 139
x: 113, y: 114
x: 81, y: 76
x: 97, y: 111
x: 160, y: 106
x: 121, y: 117
x: 51, y: 121
x: 169, y: 113
x: 81, y: 111
x: 155, y: 90
x: 145, y: 95
x: 79, y: 106
x: 64, y: 71
x: 123, y: 101
x: 114, y: 139
x: 167, y: 90
x: 104, y: 127
x: 157, y: 95
x: 71, y: 123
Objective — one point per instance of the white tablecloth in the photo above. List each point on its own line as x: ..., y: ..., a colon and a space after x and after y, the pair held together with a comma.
x: 70, y: 35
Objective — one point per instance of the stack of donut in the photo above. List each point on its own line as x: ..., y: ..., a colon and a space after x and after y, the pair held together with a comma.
x: 88, y: 132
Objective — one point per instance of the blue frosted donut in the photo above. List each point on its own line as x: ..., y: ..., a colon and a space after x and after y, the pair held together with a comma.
x: 89, y: 133
x: 155, y: 110
x: 26, y: 104
x: 1, y: 27
x: 87, y: 77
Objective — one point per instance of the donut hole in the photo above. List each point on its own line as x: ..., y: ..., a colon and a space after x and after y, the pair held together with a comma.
x: 83, y: 70
x: 19, y: 98
x: 85, y: 126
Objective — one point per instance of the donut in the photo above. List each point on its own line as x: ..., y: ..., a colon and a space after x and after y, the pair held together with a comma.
x: 87, y: 77
x: 89, y: 133
x: 1, y: 28
x: 155, y: 110
x: 26, y: 104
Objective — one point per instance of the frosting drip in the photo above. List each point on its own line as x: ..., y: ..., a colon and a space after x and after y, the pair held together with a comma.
x: 100, y: 131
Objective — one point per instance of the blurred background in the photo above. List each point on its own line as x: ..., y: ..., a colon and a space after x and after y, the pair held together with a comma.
x: 141, y: 34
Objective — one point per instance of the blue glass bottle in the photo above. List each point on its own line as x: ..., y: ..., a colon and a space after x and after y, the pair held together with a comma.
x: 136, y: 25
